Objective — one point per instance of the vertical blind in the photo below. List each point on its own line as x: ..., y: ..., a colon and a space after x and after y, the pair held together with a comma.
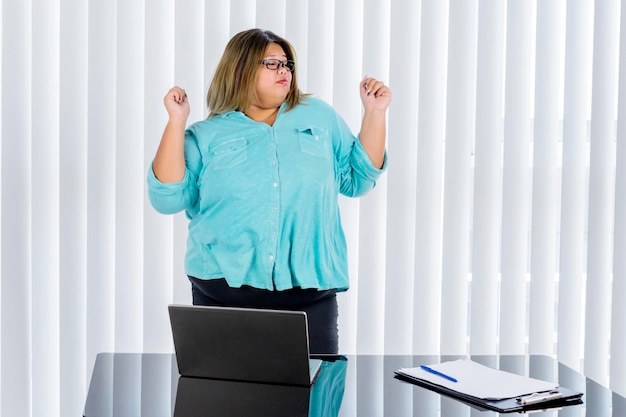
x: 499, y: 227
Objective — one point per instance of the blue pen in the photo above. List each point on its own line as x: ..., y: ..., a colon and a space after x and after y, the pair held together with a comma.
x: 441, y: 374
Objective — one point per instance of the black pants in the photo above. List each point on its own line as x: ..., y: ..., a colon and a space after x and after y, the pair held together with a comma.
x: 320, y: 306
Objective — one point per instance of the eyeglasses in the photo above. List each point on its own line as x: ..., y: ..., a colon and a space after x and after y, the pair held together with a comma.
x: 274, y: 64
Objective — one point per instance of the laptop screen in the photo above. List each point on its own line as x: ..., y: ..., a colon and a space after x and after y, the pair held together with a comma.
x: 242, y: 344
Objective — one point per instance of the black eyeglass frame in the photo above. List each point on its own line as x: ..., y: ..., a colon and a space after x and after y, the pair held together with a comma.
x: 288, y: 64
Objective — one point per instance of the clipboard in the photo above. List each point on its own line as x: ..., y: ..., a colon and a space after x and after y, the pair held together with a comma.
x: 465, y: 381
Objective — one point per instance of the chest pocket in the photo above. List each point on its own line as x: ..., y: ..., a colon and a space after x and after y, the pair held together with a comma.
x: 229, y: 153
x: 314, y: 141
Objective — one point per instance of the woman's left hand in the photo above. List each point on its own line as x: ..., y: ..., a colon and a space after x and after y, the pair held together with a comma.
x: 375, y: 95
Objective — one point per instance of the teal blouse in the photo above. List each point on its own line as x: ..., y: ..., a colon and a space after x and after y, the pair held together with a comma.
x: 262, y: 201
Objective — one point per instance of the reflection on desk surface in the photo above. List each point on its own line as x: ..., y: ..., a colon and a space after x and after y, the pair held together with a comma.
x: 148, y: 385
x: 196, y: 397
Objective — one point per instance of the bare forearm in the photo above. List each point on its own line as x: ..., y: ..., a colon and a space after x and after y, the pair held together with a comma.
x: 376, y: 97
x: 374, y: 134
x: 169, y: 161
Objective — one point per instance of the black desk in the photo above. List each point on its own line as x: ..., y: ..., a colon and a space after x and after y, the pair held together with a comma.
x: 148, y: 385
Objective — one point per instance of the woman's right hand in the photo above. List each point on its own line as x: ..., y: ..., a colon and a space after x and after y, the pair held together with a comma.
x: 169, y: 162
x: 177, y: 104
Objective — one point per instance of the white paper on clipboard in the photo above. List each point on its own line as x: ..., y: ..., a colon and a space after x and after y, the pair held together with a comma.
x: 480, y: 381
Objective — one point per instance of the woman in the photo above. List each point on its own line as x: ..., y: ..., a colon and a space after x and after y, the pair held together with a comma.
x: 259, y: 180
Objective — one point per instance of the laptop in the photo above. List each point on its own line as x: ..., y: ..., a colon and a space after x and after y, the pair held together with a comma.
x: 243, y: 344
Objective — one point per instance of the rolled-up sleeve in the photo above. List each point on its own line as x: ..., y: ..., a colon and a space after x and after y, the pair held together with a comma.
x: 170, y: 198
x: 358, y: 175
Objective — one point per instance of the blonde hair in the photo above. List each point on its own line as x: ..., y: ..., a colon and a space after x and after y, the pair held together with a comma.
x: 234, y: 84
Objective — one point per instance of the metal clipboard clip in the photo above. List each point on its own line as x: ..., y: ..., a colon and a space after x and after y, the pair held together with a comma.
x: 539, y: 397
